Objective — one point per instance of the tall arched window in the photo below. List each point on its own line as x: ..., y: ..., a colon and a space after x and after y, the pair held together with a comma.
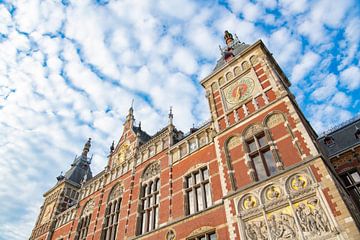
x: 112, y: 214
x: 84, y: 222
x: 260, y: 157
x: 149, y: 199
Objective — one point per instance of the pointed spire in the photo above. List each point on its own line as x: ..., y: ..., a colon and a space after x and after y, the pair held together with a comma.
x: 139, y: 125
x: 112, y: 147
x: 86, y: 148
x: 171, y: 116
x: 130, y: 116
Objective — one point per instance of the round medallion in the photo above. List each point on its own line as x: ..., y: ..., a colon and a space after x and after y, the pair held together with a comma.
x: 239, y: 91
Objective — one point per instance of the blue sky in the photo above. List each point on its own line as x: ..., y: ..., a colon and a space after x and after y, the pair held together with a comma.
x: 69, y: 70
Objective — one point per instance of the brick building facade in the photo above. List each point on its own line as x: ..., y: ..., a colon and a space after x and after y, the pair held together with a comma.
x: 253, y: 171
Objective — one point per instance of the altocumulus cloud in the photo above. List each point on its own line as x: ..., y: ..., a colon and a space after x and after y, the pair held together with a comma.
x: 69, y: 69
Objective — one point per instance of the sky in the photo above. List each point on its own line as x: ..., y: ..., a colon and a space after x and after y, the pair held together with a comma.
x: 70, y: 69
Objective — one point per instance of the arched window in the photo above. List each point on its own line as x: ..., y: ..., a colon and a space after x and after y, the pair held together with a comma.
x: 84, y: 222
x: 261, y: 157
x: 149, y: 199
x: 112, y: 213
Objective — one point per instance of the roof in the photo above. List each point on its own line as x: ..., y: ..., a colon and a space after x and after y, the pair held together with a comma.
x: 340, y: 138
x: 143, y: 136
x: 237, y: 49
x: 78, y: 170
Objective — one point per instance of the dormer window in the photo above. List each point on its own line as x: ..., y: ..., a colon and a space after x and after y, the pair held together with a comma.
x: 329, y: 141
x: 357, y: 133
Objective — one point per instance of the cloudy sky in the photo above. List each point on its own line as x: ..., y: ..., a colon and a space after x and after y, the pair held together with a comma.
x: 69, y: 70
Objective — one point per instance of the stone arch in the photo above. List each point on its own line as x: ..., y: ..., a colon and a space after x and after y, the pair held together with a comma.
x: 271, y: 192
x: 245, y: 65
x: 229, y: 144
x: 229, y: 76
x: 116, y: 192
x: 88, y: 208
x: 297, y: 182
x: 254, y: 59
x: 248, y: 201
x: 252, y: 130
x: 153, y: 169
x: 221, y: 81
x: 274, y: 118
x: 237, y: 71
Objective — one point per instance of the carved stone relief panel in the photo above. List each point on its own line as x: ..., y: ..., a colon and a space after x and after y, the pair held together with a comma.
x: 312, y: 219
x: 287, y: 209
x: 151, y: 171
x: 89, y: 207
x: 116, y: 192
x: 234, y: 142
x: 282, y: 224
x: 256, y: 230
x: 252, y: 130
x: 274, y: 120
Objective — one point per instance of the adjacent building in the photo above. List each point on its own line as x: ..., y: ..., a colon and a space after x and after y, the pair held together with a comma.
x: 253, y: 171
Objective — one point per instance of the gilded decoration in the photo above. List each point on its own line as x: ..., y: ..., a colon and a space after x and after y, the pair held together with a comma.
x: 89, y: 207
x: 288, y: 209
x: 116, y: 192
x: 170, y: 235
x: 238, y: 91
x: 151, y: 171
x: 123, y: 153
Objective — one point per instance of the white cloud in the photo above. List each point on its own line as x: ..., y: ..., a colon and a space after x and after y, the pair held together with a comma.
x: 350, y: 77
x: 69, y: 73
x: 300, y: 70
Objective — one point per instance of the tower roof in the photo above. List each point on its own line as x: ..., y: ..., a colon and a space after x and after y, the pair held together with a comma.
x: 80, y: 168
x: 233, y: 48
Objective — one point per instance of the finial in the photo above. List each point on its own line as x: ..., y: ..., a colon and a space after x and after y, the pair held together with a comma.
x: 112, y: 147
x: 171, y: 116
x: 60, y: 177
x: 86, y: 148
x: 228, y: 37
x: 139, y: 125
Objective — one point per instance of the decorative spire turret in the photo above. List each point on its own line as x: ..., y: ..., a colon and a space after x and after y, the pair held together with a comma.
x: 130, y: 117
x: 171, y: 117
x: 112, y: 147
x: 86, y: 148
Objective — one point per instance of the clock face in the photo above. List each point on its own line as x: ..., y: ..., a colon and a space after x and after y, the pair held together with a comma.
x: 239, y: 91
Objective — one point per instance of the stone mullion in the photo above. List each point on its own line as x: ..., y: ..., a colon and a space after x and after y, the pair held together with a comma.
x: 278, y: 162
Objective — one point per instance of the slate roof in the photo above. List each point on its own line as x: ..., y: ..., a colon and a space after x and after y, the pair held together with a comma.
x: 237, y: 49
x: 79, y: 168
x: 144, y: 137
x: 340, y: 138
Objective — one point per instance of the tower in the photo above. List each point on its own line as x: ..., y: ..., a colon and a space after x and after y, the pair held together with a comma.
x: 63, y: 195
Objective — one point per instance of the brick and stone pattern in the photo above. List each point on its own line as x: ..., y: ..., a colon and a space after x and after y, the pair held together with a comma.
x: 221, y: 146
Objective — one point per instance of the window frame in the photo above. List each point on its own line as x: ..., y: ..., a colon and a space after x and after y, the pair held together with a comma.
x: 204, y: 234
x: 353, y: 187
x: 206, y: 197
x: 111, y: 213
x: 149, y: 205
x: 260, y: 150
